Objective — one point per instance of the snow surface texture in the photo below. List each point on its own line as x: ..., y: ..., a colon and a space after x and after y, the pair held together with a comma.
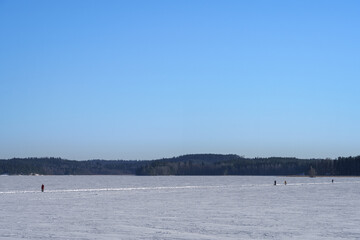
x: 172, y: 207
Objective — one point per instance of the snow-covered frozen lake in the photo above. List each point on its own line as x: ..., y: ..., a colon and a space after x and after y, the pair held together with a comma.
x: 174, y: 207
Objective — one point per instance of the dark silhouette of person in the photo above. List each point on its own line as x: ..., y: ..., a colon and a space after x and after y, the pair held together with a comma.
x: 274, y: 182
x: 42, y: 187
x: 332, y: 180
x: 285, y: 182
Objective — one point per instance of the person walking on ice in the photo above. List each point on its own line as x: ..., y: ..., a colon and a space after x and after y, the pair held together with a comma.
x: 42, y: 187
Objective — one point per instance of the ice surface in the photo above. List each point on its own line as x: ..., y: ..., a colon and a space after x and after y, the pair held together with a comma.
x: 173, y: 207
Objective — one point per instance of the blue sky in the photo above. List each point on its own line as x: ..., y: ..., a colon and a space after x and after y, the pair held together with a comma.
x: 152, y: 79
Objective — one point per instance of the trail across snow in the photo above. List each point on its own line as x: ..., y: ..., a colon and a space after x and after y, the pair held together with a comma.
x: 177, y: 187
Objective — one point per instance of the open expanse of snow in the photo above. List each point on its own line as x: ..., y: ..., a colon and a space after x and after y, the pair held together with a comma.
x: 173, y: 207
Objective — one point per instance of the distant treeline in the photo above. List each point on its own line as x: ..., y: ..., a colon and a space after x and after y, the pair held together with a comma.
x: 58, y: 166
x: 196, y: 164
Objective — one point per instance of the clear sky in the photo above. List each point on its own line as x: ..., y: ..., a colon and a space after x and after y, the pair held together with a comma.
x: 152, y: 79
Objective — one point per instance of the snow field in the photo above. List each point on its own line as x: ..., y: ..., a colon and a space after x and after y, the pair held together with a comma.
x: 172, y: 207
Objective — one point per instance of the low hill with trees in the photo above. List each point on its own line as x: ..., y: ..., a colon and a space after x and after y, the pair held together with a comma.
x: 194, y: 164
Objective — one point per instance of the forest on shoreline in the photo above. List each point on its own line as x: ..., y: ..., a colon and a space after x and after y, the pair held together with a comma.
x: 193, y: 164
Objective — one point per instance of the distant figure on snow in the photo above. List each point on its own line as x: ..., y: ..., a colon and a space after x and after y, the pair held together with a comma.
x: 332, y: 180
x: 42, y: 187
x: 285, y: 182
x: 275, y: 183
